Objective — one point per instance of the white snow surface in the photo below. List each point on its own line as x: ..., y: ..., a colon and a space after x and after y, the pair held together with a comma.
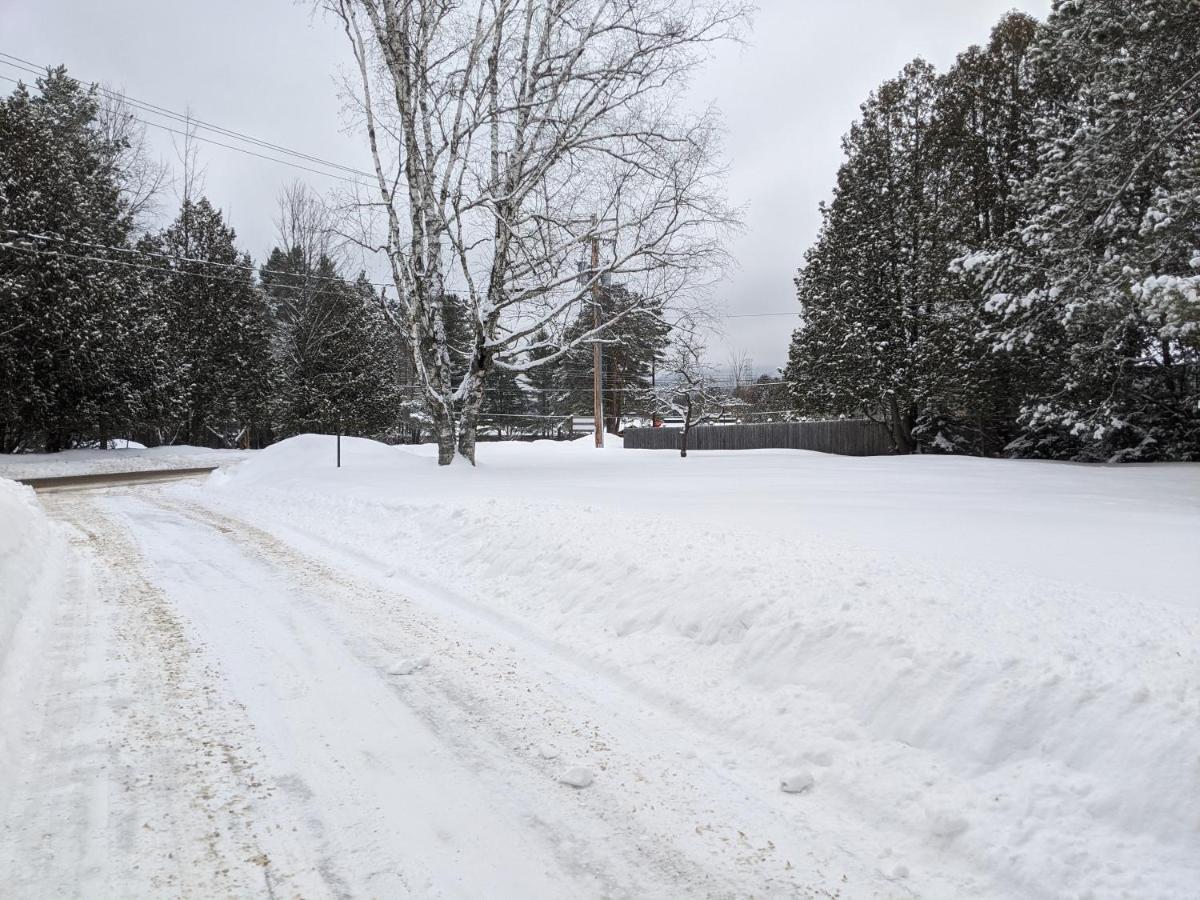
x: 983, y: 678
x: 992, y: 666
x: 129, y: 457
x: 31, y: 558
x: 34, y: 561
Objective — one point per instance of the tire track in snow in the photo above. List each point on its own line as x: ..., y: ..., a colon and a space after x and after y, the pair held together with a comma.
x: 137, y: 780
x: 656, y: 810
x: 384, y: 805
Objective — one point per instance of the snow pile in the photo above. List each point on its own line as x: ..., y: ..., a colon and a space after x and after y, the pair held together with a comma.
x: 129, y: 456
x: 30, y: 558
x: 33, y: 565
x: 796, y: 782
x: 950, y: 649
x: 299, y: 457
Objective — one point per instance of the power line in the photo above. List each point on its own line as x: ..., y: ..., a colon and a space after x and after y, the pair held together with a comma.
x: 756, y: 315
x: 34, y: 236
x: 145, y: 106
x: 525, y: 390
x: 207, y: 140
x: 187, y: 259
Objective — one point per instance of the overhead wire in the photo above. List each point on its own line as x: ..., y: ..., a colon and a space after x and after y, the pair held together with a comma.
x: 191, y: 121
x: 147, y: 107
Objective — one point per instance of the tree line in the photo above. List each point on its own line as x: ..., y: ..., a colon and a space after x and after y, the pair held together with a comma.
x: 111, y: 329
x: 1010, y: 263
x: 108, y: 329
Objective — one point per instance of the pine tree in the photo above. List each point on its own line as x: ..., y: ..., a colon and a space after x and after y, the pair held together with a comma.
x: 80, y: 341
x: 220, y: 328
x: 1099, y: 277
x: 548, y: 393
x: 507, y: 405
x: 336, y: 355
x: 632, y: 347
x: 881, y: 332
x: 985, y: 114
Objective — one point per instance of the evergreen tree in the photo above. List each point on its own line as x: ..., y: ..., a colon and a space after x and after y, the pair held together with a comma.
x: 80, y: 342
x: 548, y: 393
x: 1100, y: 276
x: 336, y: 355
x: 505, y: 402
x: 507, y: 405
x: 633, y: 347
x: 985, y: 114
x: 220, y: 328
x: 881, y: 332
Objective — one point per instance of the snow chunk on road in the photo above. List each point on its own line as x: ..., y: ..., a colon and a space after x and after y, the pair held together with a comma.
x: 408, y: 666
x: 577, y: 777
x: 945, y: 824
x: 796, y: 782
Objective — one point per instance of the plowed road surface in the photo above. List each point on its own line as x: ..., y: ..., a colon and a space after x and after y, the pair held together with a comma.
x: 210, y: 713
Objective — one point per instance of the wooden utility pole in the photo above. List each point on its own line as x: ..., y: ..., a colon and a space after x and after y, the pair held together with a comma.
x: 597, y: 358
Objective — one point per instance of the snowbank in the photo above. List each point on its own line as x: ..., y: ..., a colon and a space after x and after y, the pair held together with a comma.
x: 130, y: 456
x: 29, y: 557
x: 956, y: 650
x: 305, y: 455
x: 34, y: 559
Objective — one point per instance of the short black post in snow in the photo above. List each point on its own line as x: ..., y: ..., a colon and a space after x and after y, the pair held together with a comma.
x: 339, y: 443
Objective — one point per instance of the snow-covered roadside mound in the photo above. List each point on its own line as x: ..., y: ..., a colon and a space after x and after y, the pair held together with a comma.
x: 1039, y: 734
x: 127, y: 457
x: 34, y: 557
x: 309, y: 454
x: 31, y: 554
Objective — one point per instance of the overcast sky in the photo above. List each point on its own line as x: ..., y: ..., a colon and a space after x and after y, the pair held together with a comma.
x: 269, y: 68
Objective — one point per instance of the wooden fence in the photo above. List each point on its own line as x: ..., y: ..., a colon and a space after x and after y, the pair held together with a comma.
x: 848, y: 437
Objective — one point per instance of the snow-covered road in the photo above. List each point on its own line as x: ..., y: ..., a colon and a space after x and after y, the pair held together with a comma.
x: 219, y: 716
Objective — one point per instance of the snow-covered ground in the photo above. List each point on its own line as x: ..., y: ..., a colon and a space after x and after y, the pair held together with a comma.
x: 128, y: 458
x: 773, y: 674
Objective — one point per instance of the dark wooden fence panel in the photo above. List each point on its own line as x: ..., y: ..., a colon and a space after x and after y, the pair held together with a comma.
x: 847, y: 437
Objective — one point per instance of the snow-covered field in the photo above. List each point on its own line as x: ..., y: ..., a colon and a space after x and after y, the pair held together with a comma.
x: 775, y: 674
x: 133, y: 457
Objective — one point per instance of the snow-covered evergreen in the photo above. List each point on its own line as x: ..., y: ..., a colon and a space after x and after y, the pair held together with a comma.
x: 81, y: 343
x: 339, y: 363
x: 1011, y: 261
x: 220, y: 330
x: 1100, y: 276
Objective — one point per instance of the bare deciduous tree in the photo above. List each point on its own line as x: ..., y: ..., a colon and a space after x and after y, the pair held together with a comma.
x: 193, y: 174
x: 305, y: 223
x: 689, y: 389
x: 741, y: 369
x: 509, y: 139
x: 141, y: 175
x: 306, y: 233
